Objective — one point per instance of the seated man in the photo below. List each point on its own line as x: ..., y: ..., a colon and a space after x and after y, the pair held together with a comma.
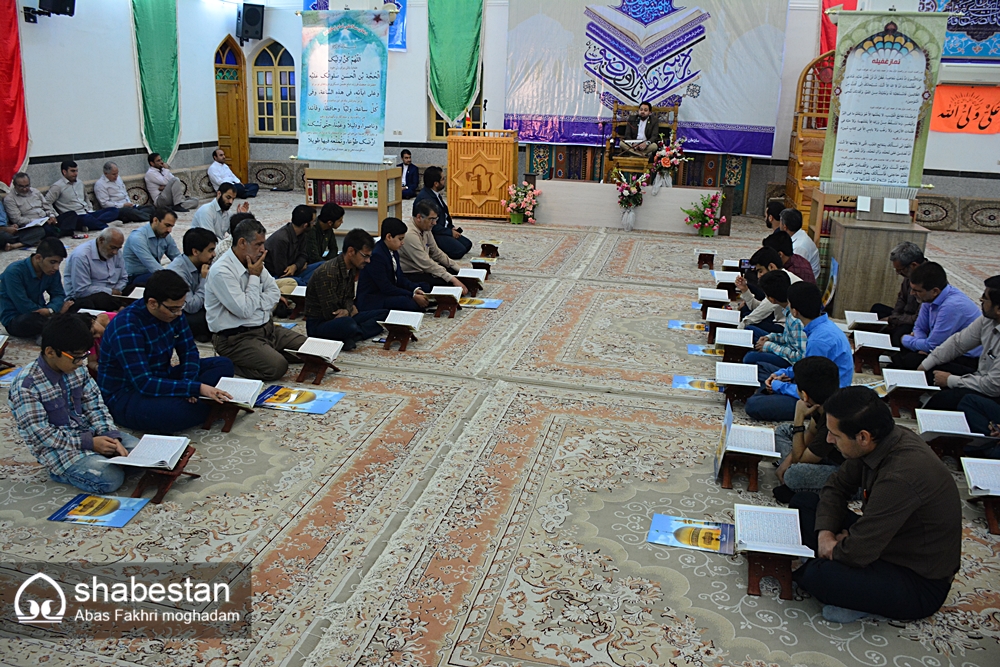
x: 59, y: 412
x: 775, y: 401
x: 239, y: 297
x: 286, y: 248
x: 23, y: 285
x: 983, y: 416
x: 420, y: 257
x: 956, y: 379
x: 68, y: 194
x: 111, y: 193
x: 449, y: 237
x: 802, y: 245
x: 381, y: 284
x: 35, y: 218
x: 145, y: 247
x: 944, y: 310
x: 645, y: 127
x: 772, y: 214
x: 899, y: 557
x: 330, y: 311
x: 411, y: 175
x: 759, y: 313
x: 141, y: 388
x: 215, y: 214
x: 9, y: 233
x: 796, y: 264
x: 809, y: 458
x: 219, y: 173
x: 904, y: 258
x: 165, y: 189
x: 785, y: 348
x: 192, y: 266
x: 223, y: 246
x: 321, y: 242
x: 95, y: 272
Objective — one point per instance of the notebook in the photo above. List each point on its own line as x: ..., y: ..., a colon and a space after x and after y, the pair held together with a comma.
x: 154, y: 451
x: 906, y: 379
x: 772, y: 530
x: 723, y: 316
x: 877, y: 341
x: 137, y: 293
x: 299, y: 291
x: 326, y: 350
x: 734, y: 337
x: 744, y: 375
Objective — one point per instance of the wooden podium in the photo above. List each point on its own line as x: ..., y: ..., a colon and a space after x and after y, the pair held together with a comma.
x: 481, y: 164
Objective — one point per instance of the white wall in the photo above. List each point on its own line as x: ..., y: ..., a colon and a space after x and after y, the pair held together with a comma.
x: 201, y: 27
x: 801, y: 47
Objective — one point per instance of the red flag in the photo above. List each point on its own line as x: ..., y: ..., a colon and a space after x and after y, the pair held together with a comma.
x: 13, y: 116
x: 828, y: 31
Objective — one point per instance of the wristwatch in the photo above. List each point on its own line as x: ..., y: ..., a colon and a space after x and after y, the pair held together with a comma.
x: 798, y: 429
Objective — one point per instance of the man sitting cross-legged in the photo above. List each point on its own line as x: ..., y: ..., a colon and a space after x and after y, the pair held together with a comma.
x: 215, y: 214
x: 904, y: 258
x: 449, y: 237
x: 111, y: 193
x: 240, y: 296
x: 165, y: 189
x: 760, y: 314
x: 775, y: 401
x: 897, y: 559
x: 779, y: 349
x: 59, y: 412
x: 286, y: 248
x: 809, y: 458
x: 330, y: 309
x: 145, y: 247
x: 321, y: 240
x: 68, y: 194
x: 422, y: 260
x: 219, y: 173
x: 23, y: 286
x: 141, y: 388
x: 796, y: 264
x: 381, y: 284
x: 192, y: 266
x: 25, y: 205
x: 95, y: 272
x: 790, y: 222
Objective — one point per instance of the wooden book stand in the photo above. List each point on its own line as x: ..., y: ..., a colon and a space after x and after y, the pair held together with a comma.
x: 398, y: 332
x: 904, y: 398
x: 313, y: 364
x: 445, y: 304
x: 706, y: 260
x: 227, y: 412
x: 489, y: 250
x: 867, y: 356
x: 4, y: 364
x: 471, y: 284
x: 733, y: 354
x: 711, y: 304
x: 762, y: 565
x: 731, y: 288
x: 483, y: 266
x: 953, y: 446
x: 299, y: 305
x: 164, y: 479
x: 991, y: 505
x: 737, y: 463
x: 712, y: 326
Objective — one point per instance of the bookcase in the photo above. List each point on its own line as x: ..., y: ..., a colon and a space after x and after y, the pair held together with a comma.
x: 824, y: 210
x: 367, y: 196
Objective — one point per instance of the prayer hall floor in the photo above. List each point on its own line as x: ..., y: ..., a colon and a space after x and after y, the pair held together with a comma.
x: 484, y: 497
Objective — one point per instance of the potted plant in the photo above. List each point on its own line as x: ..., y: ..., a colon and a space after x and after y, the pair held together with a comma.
x: 665, y: 163
x: 521, y: 201
x: 706, y: 216
x: 629, y: 195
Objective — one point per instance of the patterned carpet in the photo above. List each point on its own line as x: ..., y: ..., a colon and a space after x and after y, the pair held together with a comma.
x: 484, y: 497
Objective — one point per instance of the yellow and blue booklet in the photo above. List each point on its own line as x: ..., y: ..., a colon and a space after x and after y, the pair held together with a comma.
x: 294, y: 399
x: 675, y: 531
x: 107, y: 511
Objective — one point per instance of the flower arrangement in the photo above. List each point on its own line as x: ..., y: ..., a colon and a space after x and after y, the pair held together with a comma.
x: 629, y: 195
x: 667, y: 159
x: 521, y: 201
x: 706, y: 216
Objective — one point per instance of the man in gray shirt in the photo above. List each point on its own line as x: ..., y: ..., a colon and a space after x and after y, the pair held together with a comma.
x: 34, y: 217
x: 111, y: 193
x: 192, y: 266
x: 69, y: 194
x: 95, y: 272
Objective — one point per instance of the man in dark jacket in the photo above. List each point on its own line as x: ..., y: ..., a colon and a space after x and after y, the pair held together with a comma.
x: 381, y: 283
x: 449, y: 237
x: 411, y: 175
x: 645, y: 128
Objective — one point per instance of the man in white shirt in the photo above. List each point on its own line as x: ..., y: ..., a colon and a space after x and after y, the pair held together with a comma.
x: 219, y: 173
x: 240, y: 295
x: 111, y: 193
x: 165, y: 189
x: 214, y: 215
x: 802, y: 245
x: 68, y: 194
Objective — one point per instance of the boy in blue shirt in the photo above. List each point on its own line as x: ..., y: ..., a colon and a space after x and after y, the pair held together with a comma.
x: 23, y: 286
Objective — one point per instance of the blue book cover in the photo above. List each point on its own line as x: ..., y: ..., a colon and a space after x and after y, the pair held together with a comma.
x: 294, y: 399
x: 690, y: 326
x: 693, y: 384
x: 489, y: 304
x: 675, y: 531
x: 107, y: 511
x: 705, y: 351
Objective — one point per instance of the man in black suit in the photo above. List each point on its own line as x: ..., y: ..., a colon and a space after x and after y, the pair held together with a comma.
x: 411, y: 175
x: 645, y: 127
x: 381, y: 284
x: 449, y: 237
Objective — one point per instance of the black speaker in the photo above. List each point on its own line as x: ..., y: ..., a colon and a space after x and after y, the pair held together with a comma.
x: 250, y: 21
x: 64, y: 7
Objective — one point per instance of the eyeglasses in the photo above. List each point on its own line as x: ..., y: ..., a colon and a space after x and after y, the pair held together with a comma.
x: 173, y: 311
x: 76, y: 359
x: 366, y: 256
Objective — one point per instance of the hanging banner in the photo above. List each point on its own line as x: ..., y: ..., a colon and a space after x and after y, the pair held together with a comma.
x: 455, y: 61
x: 568, y: 61
x: 973, y: 31
x: 966, y: 109
x: 13, y: 116
x: 827, y: 30
x: 885, y: 71
x: 155, y: 25
x: 342, y: 96
x: 397, y: 31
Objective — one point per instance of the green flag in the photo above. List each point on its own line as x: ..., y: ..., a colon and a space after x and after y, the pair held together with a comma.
x: 455, y: 65
x: 155, y: 24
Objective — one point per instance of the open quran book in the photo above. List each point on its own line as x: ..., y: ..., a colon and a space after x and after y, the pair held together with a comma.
x: 327, y: 350
x: 773, y: 530
x: 407, y: 319
x: 154, y: 451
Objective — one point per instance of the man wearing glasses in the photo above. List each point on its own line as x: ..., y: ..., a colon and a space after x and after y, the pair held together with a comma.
x: 422, y: 260
x: 141, y: 388
x: 59, y: 412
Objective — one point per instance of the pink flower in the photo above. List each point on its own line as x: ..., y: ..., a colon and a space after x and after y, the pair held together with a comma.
x: 531, y: 219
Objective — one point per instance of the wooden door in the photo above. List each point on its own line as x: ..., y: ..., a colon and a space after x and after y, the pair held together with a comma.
x: 231, y: 106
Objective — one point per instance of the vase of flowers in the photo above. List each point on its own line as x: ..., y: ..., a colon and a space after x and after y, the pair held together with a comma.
x: 706, y: 215
x: 629, y: 195
x: 521, y: 201
x: 665, y: 163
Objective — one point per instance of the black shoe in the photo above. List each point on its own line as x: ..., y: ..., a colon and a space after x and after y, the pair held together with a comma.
x: 349, y: 345
x: 180, y: 209
x: 783, y: 494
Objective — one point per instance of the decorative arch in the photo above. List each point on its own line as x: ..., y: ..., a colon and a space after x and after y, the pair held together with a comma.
x: 274, y: 91
x: 231, y: 105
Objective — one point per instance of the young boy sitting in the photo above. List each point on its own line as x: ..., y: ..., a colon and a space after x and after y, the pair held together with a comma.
x: 789, y: 345
x: 381, y: 284
x: 60, y: 414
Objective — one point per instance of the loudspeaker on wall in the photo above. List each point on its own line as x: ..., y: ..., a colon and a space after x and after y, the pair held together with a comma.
x: 250, y: 21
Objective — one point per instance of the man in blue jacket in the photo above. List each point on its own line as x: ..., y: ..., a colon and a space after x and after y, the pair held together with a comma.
x: 23, y: 286
x: 381, y: 283
x: 448, y: 237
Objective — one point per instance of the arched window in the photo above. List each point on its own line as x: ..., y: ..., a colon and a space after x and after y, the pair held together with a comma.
x: 274, y: 90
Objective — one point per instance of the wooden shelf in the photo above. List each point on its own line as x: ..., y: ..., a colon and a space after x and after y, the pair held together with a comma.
x: 383, y: 177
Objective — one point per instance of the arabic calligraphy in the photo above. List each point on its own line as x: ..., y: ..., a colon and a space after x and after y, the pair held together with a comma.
x: 966, y: 109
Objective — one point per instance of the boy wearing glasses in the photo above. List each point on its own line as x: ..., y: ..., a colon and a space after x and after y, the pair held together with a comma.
x: 141, y: 388
x: 59, y: 412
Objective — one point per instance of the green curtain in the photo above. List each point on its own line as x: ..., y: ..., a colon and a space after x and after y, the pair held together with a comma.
x: 155, y: 25
x: 455, y: 64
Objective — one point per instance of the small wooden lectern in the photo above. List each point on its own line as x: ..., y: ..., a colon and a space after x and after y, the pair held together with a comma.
x: 706, y: 260
x: 903, y: 398
x: 737, y: 463
x: 471, y: 284
x: 227, y: 412
x: 164, y: 479
x: 949, y: 445
x: 867, y: 356
x: 489, y: 250
x: 446, y: 303
x: 733, y: 354
x: 705, y: 305
x: 738, y: 393
x: 762, y: 565
x: 483, y: 266
x: 4, y: 364
x: 314, y: 364
x: 991, y: 505
x: 713, y: 326
x: 299, y: 304
x: 731, y: 288
x: 399, y: 333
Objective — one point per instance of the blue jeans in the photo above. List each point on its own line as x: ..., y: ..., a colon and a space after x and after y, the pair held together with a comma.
x: 169, y: 414
x: 800, y: 476
x: 303, y: 278
x: 770, y: 407
x: 93, y: 473
x: 246, y: 190
x: 754, y: 357
x: 349, y: 330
